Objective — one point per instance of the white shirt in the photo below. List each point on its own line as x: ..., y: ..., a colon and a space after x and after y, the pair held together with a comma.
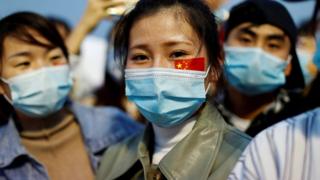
x: 289, y: 150
x: 240, y: 123
x: 167, y: 138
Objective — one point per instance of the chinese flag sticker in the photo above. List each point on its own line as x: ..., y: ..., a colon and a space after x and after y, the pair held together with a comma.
x: 194, y: 64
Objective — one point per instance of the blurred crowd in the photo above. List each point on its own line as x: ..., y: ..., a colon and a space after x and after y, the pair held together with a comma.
x: 179, y: 89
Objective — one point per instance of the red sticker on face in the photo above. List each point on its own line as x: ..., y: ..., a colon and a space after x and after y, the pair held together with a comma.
x: 194, y: 64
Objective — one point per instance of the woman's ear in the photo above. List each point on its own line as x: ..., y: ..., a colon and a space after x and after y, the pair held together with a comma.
x: 1, y: 88
x: 288, y: 69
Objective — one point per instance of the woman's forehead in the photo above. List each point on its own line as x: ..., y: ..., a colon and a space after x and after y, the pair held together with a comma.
x: 162, y: 26
x: 15, y: 44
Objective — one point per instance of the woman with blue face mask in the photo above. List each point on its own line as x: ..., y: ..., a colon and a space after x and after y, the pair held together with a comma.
x: 171, y: 58
x: 43, y: 135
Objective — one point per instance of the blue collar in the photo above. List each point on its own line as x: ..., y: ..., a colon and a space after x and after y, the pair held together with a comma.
x: 90, y: 120
x: 10, y: 144
x: 95, y: 140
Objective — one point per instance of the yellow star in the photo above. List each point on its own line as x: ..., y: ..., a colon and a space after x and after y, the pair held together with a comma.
x: 179, y: 66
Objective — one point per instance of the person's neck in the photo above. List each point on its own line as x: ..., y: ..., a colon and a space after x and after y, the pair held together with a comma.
x: 247, y: 107
x: 34, y: 124
x: 170, y: 136
x: 166, y: 138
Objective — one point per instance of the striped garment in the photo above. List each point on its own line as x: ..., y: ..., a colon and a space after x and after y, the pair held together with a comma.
x: 289, y: 150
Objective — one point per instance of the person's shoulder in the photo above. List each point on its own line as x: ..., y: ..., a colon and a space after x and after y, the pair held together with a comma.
x: 236, y: 138
x: 108, y: 124
x: 312, y: 115
x: 128, y: 144
x: 297, y: 124
x: 278, y: 147
x: 104, y: 114
x: 233, y: 144
x: 119, y: 158
x: 284, y: 132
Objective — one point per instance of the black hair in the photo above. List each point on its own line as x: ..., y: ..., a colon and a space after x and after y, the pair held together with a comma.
x: 57, y: 21
x: 307, y: 28
x: 195, y: 12
x: 19, y: 25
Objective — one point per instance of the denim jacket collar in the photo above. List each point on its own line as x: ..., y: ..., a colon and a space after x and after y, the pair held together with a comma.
x: 95, y: 139
x: 10, y: 144
x: 84, y: 115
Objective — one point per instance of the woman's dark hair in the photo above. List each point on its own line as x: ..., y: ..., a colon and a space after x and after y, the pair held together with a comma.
x: 60, y: 22
x: 307, y: 28
x: 21, y: 25
x: 195, y: 12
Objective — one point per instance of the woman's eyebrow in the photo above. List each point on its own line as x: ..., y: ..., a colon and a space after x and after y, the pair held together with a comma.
x: 139, y: 46
x: 168, y: 43
x: 174, y: 43
x: 19, y: 54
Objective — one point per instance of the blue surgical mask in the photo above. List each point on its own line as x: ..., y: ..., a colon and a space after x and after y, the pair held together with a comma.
x: 304, y: 59
x: 253, y: 71
x: 41, y: 92
x: 166, y: 97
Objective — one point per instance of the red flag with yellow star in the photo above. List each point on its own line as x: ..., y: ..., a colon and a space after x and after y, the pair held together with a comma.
x: 194, y: 64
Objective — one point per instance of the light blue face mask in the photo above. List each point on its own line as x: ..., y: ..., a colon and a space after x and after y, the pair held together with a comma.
x: 166, y: 97
x: 41, y: 92
x: 304, y: 59
x: 253, y: 71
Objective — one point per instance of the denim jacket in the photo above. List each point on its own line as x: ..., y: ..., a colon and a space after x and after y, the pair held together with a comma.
x: 100, y: 126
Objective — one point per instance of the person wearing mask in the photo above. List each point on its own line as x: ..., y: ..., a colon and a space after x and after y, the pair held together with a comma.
x: 171, y: 57
x: 261, y: 68
x: 42, y: 134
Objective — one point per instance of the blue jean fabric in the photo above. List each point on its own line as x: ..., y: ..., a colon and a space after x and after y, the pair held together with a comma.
x: 100, y: 126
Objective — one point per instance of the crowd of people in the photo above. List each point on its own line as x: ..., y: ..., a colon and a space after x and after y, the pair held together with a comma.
x: 175, y: 93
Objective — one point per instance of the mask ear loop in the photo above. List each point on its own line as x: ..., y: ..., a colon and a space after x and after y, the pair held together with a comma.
x: 289, y: 59
x: 207, y: 72
x: 209, y: 84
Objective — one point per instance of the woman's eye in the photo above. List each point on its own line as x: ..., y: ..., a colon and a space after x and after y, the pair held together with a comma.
x: 139, y: 58
x: 55, y: 57
x: 23, y: 64
x: 178, y: 54
x: 57, y: 60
